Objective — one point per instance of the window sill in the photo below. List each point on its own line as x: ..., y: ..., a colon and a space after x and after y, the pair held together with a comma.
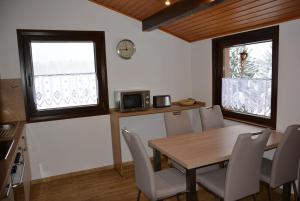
x: 247, y: 122
x: 65, y: 116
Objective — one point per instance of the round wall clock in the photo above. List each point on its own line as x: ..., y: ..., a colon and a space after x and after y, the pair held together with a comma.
x: 125, y: 49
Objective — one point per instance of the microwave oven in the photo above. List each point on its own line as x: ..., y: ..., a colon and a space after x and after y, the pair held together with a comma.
x: 133, y: 100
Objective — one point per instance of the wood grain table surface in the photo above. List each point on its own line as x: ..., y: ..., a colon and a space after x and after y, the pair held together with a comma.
x: 205, y: 148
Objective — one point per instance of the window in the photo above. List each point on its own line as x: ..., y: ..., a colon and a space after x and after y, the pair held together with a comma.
x: 245, y: 68
x: 64, y: 73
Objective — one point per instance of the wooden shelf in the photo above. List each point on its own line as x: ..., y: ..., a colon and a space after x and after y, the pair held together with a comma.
x: 115, y: 116
x: 175, y: 107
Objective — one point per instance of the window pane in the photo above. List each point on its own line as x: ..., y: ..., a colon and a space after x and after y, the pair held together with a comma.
x: 62, y: 58
x: 247, y: 78
x: 64, y: 74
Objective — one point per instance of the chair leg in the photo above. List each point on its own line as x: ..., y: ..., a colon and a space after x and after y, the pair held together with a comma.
x: 138, y: 195
x: 254, y: 197
x: 270, y: 193
x: 177, y: 196
x: 295, y: 190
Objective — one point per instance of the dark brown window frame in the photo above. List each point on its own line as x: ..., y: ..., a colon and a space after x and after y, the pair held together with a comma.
x: 271, y: 33
x: 25, y: 37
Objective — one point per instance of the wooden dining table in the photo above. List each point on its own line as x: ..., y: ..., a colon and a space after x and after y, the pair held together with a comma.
x: 200, y: 149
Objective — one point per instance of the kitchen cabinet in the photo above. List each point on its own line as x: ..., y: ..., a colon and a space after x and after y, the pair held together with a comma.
x: 15, y: 172
x: 8, y: 192
x: 9, y: 198
x: 27, y: 171
x: 22, y: 185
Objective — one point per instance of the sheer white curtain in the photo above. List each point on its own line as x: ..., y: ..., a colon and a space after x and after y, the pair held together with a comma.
x: 64, y: 74
x: 247, y: 95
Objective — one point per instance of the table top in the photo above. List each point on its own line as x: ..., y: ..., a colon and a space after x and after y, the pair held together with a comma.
x: 205, y: 148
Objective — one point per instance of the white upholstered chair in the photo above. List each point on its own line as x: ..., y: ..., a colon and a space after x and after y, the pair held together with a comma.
x: 284, y: 166
x: 178, y: 122
x: 211, y: 117
x: 241, y: 177
x: 154, y: 185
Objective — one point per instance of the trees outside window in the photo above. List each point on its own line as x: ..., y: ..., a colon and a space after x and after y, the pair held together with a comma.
x: 245, y: 70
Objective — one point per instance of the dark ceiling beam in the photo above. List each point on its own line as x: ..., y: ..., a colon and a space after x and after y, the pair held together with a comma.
x: 176, y: 11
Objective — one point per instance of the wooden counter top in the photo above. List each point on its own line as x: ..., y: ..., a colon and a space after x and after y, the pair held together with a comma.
x: 5, y: 165
x: 174, y: 107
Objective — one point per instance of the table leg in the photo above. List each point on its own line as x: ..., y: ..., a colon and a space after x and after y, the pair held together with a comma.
x: 191, y: 193
x: 116, y: 142
x: 298, y: 199
x: 286, y: 192
x: 156, y: 160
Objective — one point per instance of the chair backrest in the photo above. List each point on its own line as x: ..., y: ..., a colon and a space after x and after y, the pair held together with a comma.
x: 144, y: 175
x: 177, y: 122
x: 242, y: 177
x: 286, y: 157
x: 211, y: 117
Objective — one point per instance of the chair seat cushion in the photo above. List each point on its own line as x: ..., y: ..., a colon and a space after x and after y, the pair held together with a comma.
x: 265, y: 173
x: 169, y: 182
x: 214, y: 181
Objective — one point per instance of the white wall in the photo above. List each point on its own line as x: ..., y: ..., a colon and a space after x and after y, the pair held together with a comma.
x: 288, y: 107
x: 201, y: 64
x: 161, y: 64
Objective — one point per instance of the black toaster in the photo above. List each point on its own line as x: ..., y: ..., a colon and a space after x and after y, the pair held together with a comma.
x: 162, y: 101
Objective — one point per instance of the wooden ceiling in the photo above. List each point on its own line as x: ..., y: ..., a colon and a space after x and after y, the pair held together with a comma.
x: 137, y: 9
x: 225, y: 18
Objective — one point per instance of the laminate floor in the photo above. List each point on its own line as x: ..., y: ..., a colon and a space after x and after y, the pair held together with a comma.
x: 107, y: 185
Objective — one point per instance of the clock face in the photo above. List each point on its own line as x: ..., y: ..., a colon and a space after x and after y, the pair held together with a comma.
x: 125, y: 49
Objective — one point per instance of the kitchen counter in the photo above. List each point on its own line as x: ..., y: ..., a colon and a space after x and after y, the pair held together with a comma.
x: 5, y: 165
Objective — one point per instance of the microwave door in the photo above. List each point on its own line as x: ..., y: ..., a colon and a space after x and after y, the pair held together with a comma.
x: 132, y: 101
